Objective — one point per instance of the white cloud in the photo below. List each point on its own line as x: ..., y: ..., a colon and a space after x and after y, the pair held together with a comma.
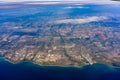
x: 81, y: 20
x: 78, y: 1
x: 74, y: 7
x: 44, y: 3
x: 50, y: 0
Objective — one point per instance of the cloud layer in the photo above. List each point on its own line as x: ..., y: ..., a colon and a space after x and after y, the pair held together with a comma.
x: 49, y: 0
x: 78, y: 1
x: 81, y: 20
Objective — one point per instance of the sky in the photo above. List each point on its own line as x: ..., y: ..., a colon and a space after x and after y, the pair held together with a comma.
x: 88, y: 1
x: 48, y: 0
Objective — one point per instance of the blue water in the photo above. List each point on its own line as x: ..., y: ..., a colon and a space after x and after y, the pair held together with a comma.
x: 30, y: 71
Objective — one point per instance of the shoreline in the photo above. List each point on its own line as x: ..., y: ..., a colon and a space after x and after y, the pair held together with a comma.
x: 4, y: 59
x: 61, y: 66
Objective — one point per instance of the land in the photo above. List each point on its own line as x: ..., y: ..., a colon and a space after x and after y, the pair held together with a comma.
x: 61, y: 44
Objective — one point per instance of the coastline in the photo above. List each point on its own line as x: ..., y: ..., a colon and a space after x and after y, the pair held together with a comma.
x: 59, y: 66
x: 4, y: 59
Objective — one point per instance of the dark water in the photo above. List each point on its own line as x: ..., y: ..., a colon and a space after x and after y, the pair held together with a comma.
x: 30, y: 71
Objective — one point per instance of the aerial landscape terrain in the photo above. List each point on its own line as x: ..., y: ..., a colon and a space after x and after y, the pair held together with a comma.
x: 60, y: 33
x: 59, y: 40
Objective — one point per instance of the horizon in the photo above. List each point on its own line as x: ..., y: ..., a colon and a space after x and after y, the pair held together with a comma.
x: 53, y: 1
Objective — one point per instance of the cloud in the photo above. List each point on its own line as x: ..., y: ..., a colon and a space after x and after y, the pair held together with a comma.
x: 50, y: 0
x: 78, y: 1
x: 74, y: 7
x: 43, y: 3
x: 81, y: 20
